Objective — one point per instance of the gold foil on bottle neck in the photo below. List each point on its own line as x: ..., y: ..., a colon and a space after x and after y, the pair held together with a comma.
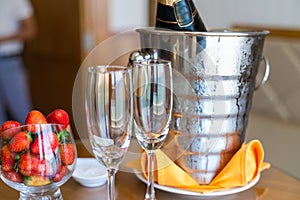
x: 168, y: 2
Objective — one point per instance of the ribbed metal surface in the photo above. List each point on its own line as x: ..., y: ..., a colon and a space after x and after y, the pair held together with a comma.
x: 221, y: 68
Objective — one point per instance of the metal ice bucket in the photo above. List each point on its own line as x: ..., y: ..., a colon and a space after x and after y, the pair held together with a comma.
x: 221, y: 68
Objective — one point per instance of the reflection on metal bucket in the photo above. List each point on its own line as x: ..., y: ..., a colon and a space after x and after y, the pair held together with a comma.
x: 221, y: 68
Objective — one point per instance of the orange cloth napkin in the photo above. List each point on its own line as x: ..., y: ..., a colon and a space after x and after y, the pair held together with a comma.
x: 243, y: 168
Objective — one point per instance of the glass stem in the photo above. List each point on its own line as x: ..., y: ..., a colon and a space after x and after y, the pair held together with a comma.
x: 150, y: 193
x: 111, y: 184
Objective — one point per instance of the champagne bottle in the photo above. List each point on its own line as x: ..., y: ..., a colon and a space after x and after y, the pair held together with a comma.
x: 179, y: 15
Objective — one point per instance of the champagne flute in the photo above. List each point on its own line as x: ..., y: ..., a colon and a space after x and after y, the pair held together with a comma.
x: 153, y: 103
x: 109, y: 116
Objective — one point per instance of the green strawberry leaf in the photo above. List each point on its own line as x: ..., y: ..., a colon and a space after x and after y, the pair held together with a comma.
x: 17, y: 158
x: 27, y: 179
x: 29, y: 137
x: 33, y: 136
x: 5, y: 141
x: 62, y: 135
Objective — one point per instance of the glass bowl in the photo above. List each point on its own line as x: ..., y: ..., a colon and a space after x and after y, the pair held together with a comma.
x: 37, y: 159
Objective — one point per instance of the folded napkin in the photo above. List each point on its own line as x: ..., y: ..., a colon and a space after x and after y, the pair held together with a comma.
x: 243, y: 168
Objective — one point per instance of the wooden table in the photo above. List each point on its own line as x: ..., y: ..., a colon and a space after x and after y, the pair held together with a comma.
x: 273, y: 185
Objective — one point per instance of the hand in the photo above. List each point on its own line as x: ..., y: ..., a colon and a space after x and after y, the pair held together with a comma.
x: 27, y: 31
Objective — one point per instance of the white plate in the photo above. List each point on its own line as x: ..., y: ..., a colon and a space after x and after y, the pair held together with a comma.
x: 89, y: 172
x: 187, y: 192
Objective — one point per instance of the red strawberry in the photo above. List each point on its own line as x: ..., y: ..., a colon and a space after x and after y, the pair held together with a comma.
x: 7, y: 159
x: 7, y: 134
x: 35, y: 117
x: 31, y: 165
x: 59, y: 116
x: 67, y: 153
x: 13, y: 176
x: 19, y: 142
x: 60, y: 173
x: 47, y: 142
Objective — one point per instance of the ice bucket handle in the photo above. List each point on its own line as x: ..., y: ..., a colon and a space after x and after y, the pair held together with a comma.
x: 266, y: 75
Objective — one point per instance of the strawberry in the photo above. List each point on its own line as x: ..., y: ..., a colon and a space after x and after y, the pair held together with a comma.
x: 19, y: 142
x: 31, y: 165
x: 14, y: 176
x: 63, y: 170
x: 7, y: 134
x: 7, y: 159
x: 42, y: 141
x: 59, y: 116
x: 35, y: 117
x: 36, y: 181
x: 67, y: 153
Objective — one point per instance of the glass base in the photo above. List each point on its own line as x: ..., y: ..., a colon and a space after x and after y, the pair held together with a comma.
x: 49, y: 195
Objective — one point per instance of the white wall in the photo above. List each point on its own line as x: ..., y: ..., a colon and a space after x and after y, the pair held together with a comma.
x: 224, y: 13
x: 280, y: 141
x: 127, y: 14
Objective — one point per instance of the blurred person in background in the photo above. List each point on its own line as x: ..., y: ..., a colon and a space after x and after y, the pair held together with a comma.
x: 17, y: 25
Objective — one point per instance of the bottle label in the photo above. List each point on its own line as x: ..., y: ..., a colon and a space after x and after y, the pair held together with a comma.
x: 183, y: 13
